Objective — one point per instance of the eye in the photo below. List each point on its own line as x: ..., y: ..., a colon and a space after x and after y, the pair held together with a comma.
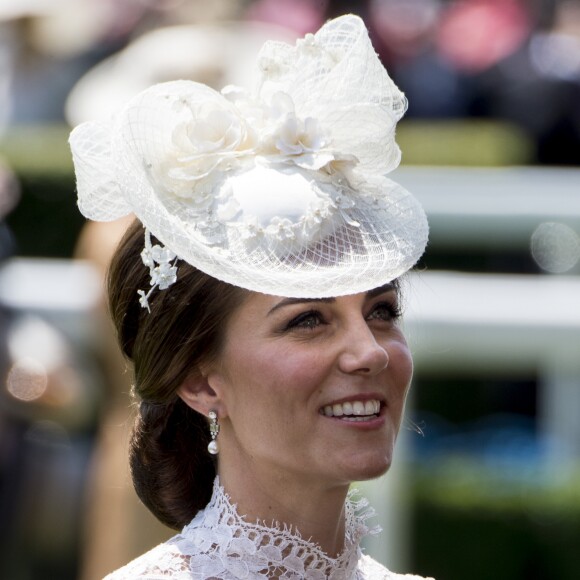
x: 306, y: 320
x: 385, y: 311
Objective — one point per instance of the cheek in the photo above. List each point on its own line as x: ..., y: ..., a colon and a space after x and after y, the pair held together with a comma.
x: 401, y: 363
x: 265, y: 374
x: 285, y: 360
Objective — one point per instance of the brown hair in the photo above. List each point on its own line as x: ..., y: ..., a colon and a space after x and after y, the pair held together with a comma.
x: 171, y: 468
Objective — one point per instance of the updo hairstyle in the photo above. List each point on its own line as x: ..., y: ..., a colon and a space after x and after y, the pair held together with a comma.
x: 171, y: 468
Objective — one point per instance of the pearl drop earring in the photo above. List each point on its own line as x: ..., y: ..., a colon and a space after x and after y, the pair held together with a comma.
x: 214, y: 429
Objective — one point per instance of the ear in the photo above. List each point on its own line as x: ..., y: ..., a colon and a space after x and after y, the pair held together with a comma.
x: 196, y: 393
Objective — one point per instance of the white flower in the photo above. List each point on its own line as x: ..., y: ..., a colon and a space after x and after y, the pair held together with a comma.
x: 163, y: 273
x: 301, y: 141
x: 210, y: 136
x: 318, y: 212
x: 163, y: 276
x: 147, y: 258
x: 216, y: 135
x: 161, y: 254
x: 250, y: 228
x: 281, y: 228
x: 210, y: 133
x: 296, y: 137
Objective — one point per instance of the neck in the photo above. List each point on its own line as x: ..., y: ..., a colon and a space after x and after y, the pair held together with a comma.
x: 315, y: 510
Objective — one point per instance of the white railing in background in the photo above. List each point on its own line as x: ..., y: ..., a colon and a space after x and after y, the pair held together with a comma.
x: 493, y: 208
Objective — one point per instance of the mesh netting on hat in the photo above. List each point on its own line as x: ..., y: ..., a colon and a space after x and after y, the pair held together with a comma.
x: 280, y: 191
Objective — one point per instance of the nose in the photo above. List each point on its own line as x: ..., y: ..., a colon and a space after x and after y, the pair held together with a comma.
x: 362, y: 354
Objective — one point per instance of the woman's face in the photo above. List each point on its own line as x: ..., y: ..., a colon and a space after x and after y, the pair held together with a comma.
x: 313, y: 388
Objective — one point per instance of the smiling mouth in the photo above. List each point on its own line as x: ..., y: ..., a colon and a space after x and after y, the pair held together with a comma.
x: 355, y: 411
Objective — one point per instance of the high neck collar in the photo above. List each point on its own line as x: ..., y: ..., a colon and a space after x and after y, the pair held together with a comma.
x: 242, y: 547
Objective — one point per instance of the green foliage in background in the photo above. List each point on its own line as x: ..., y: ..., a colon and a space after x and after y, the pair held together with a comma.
x: 473, y: 521
x: 46, y: 221
x: 470, y: 143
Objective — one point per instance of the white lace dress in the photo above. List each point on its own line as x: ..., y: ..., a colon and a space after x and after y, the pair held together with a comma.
x: 219, y: 544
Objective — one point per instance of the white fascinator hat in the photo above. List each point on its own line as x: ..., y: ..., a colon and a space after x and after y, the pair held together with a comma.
x: 280, y: 190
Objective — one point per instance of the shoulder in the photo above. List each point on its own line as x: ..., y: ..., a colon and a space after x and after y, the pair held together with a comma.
x: 371, y: 570
x: 164, y: 561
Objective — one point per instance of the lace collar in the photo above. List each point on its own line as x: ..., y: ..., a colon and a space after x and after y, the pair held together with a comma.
x: 227, y: 544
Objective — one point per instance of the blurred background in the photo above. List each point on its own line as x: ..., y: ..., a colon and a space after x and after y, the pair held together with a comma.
x: 487, y: 482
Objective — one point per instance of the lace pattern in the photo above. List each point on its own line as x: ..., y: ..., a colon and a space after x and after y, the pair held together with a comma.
x: 219, y: 544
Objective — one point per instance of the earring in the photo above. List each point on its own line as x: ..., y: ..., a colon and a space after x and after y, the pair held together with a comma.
x: 214, y: 429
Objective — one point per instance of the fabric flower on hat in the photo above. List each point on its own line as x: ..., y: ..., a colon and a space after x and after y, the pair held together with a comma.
x: 276, y: 189
x: 288, y: 135
x: 209, y: 137
x: 224, y: 132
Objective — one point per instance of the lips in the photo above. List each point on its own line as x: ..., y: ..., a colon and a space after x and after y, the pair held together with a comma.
x: 353, y: 410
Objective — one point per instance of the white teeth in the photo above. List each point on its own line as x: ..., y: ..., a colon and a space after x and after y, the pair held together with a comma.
x: 354, y: 419
x: 353, y: 410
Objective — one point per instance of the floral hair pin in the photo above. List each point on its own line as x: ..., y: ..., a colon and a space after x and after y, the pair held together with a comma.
x: 162, y: 269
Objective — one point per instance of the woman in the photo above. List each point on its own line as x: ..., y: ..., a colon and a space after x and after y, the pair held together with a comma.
x: 257, y: 298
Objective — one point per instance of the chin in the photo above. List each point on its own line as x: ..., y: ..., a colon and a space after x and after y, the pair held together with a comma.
x: 365, y: 468
x: 372, y: 472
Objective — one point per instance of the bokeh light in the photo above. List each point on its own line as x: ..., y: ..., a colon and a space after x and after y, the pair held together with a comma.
x: 555, y: 247
x: 27, y: 379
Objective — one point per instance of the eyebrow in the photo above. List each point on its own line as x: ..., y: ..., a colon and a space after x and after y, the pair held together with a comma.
x: 388, y: 287
x: 289, y: 301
